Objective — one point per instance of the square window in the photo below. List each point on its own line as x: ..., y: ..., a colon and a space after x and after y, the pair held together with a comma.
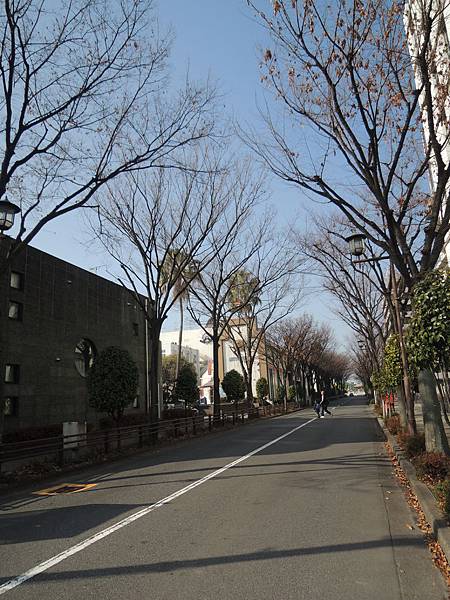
x: 12, y: 373
x: 10, y: 408
x: 15, y: 310
x: 16, y: 280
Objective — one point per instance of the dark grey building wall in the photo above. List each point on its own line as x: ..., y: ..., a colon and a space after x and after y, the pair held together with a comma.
x: 63, y: 304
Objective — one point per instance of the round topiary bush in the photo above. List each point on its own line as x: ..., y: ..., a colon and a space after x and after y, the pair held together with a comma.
x: 112, y: 382
x: 186, y: 387
x: 262, y: 389
x: 233, y: 385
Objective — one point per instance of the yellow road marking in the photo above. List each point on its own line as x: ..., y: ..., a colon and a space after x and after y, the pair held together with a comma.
x: 54, y: 491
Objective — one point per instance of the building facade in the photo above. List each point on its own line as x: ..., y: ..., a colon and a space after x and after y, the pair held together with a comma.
x: 439, y: 53
x: 54, y: 320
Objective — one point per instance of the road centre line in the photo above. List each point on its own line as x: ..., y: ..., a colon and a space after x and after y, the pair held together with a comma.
x: 51, y: 562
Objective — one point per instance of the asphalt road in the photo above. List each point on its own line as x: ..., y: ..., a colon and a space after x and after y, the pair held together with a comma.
x: 316, y: 514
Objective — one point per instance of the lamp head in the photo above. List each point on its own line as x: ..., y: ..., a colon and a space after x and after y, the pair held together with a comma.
x: 8, y: 211
x: 356, y: 244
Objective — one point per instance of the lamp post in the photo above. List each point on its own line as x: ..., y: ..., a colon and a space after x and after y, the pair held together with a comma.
x: 356, y: 243
x: 8, y: 211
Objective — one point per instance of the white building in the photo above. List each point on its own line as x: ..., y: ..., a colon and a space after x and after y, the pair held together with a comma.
x: 439, y: 53
x: 192, y: 338
x: 195, y: 350
x: 195, y: 341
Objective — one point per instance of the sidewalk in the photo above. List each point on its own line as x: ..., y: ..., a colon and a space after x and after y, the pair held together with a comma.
x: 436, y: 519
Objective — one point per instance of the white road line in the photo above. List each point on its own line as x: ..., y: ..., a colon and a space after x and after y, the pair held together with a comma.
x: 51, y: 562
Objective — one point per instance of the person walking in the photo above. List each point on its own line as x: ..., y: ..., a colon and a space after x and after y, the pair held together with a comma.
x: 324, y: 404
x: 317, y: 407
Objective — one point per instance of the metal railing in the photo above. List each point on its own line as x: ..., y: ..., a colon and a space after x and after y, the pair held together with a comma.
x: 60, y: 448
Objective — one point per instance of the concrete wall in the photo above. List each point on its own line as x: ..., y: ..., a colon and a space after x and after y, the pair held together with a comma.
x: 63, y: 304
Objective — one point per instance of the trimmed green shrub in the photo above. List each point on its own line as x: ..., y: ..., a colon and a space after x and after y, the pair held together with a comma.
x: 281, y: 392
x: 233, y: 385
x: 262, y: 388
x: 428, y: 336
x: 186, y: 387
x: 291, y: 393
x: 112, y: 382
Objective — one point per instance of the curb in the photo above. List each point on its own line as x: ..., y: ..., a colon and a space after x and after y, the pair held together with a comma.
x: 433, y: 514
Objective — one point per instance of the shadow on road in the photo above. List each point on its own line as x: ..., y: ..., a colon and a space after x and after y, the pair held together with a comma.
x: 59, y: 523
x: 200, y: 563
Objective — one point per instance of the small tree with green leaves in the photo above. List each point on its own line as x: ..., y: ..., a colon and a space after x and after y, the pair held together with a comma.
x: 281, y: 392
x: 378, y: 381
x: 389, y: 376
x: 428, y: 344
x: 186, y: 387
x: 168, y: 374
x: 429, y: 329
x: 112, y: 382
x: 392, y: 366
x: 233, y: 385
x: 262, y: 389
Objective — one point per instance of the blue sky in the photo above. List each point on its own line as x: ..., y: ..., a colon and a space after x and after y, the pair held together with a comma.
x: 220, y: 39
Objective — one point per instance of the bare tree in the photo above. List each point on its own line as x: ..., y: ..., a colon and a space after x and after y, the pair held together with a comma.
x: 336, y: 368
x: 365, y: 299
x: 83, y: 99
x: 238, y: 238
x: 320, y: 343
x: 361, y: 290
x: 304, y: 333
x: 285, y: 341
x: 353, y: 106
x: 268, y: 290
x: 358, y: 93
x: 301, y: 348
x: 363, y: 366
x: 144, y: 219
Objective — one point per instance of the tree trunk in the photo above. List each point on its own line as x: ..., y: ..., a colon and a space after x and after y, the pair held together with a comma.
x: 180, y: 339
x: 310, y: 388
x: 248, y: 390
x: 216, y: 381
x: 435, y: 437
x: 376, y: 397
x: 286, y: 389
x: 402, y: 407
x: 154, y: 370
x: 442, y: 400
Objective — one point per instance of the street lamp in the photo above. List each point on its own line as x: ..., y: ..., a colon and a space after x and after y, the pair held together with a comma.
x: 8, y: 211
x: 356, y: 244
x: 357, y: 248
